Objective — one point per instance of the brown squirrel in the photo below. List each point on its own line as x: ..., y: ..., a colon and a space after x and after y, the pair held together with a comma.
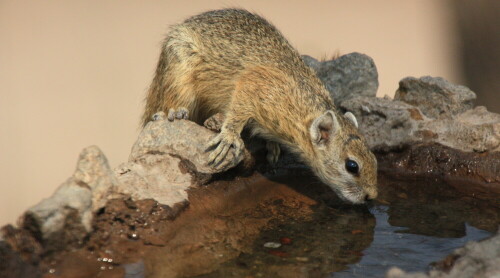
x: 234, y: 62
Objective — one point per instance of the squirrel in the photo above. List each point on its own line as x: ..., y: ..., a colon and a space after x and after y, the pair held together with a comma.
x: 234, y: 62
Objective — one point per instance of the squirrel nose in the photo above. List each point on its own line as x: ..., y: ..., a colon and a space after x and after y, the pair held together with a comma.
x: 367, y: 198
x: 371, y: 195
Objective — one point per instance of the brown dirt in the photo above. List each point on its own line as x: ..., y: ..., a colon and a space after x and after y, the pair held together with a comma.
x: 220, y: 221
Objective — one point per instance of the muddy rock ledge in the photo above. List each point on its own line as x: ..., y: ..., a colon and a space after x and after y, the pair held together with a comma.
x: 167, y: 202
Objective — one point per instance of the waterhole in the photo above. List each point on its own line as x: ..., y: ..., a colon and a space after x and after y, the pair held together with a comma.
x: 413, y: 223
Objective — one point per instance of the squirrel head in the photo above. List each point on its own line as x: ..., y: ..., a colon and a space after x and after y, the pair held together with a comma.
x: 342, y: 159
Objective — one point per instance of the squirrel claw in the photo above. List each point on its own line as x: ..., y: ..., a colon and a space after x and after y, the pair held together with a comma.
x: 224, y: 143
x: 177, y: 114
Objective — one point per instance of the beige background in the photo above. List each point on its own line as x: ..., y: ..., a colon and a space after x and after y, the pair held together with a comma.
x: 74, y: 73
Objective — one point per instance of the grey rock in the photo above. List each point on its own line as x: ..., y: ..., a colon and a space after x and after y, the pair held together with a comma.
x: 94, y: 172
x: 474, y: 130
x: 66, y: 216
x: 313, y: 63
x: 183, y: 139
x: 167, y: 159
x: 475, y: 259
x: 383, y: 122
x: 435, y: 96
x: 351, y: 75
x: 155, y: 176
x: 393, y: 123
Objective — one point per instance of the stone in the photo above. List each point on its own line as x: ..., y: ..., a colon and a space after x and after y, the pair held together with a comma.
x: 155, y: 176
x: 383, y: 122
x: 66, y: 216
x: 272, y: 244
x: 475, y: 259
x: 183, y: 139
x: 351, y: 75
x: 12, y: 264
x: 93, y: 171
x: 311, y: 62
x: 435, y: 96
x: 470, y: 174
x: 167, y: 159
x: 391, y: 124
x: 474, y: 130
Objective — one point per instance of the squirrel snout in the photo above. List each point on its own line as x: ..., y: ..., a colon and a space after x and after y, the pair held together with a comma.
x: 371, y: 194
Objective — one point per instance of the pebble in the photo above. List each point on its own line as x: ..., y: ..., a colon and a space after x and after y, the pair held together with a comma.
x: 272, y: 244
x: 286, y: 240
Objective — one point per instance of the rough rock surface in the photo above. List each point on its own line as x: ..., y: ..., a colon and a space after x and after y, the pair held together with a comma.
x: 67, y: 215
x: 475, y: 259
x: 384, y: 122
x: 393, y: 123
x: 474, y: 130
x: 180, y: 138
x: 435, y: 96
x: 426, y: 109
x: 167, y: 159
x: 348, y: 76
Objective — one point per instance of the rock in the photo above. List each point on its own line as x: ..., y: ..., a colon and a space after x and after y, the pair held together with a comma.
x: 475, y: 259
x: 21, y: 242
x: 474, y: 130
x: 183, y: 139
x: 13, y: 265
x: 313, y: 63
x: 348, y: 76
x: 392, y: 123
x: 272, y: 244
x: 167, y: 159
x: 93, y: 171
x: 435, y: 96
x: 384, y: 122
x: 66, y: 216
x: 155, y: 176
x: 471, y: 174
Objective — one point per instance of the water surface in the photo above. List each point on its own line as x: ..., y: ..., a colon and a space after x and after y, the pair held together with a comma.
x: 413, y: 223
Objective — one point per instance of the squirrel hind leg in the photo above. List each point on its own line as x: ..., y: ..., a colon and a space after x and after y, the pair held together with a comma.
x: 273, y: 152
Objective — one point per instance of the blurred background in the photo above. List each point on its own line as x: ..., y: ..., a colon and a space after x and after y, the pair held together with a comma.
x: 74, y: 73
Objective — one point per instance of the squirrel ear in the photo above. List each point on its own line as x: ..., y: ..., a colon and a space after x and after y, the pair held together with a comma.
x: 350, y: 116
x: 323, y: 127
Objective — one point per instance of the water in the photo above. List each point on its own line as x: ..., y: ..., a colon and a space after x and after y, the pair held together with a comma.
x: 411, y: 252
x: 408, y: 227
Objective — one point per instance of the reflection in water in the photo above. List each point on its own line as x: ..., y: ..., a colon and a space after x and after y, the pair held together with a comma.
x: 334, y: 239
x: 411, y: 252
x: 415, y: 226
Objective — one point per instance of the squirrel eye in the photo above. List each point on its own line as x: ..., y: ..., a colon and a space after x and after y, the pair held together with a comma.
x: 351, y: 166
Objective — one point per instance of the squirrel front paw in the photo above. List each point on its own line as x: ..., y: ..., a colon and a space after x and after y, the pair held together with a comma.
x: 223, y: 143
x: 179, y: 113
